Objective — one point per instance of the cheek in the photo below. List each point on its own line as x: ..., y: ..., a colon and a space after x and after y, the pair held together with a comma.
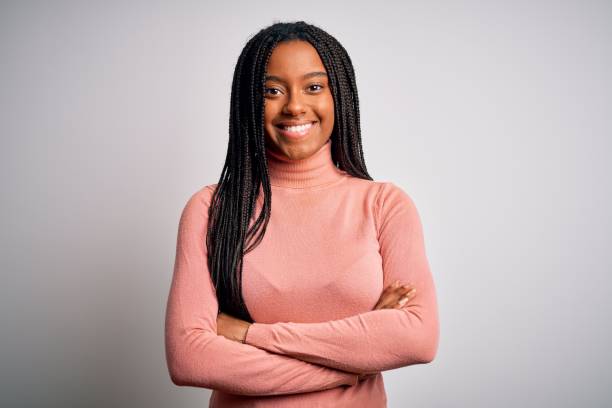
x: 271, y: 109
x: 266, y: 108
x: 327, y: 109
x: 268, y: 113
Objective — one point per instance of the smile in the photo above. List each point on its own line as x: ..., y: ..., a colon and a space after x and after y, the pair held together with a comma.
x: 296, y: 131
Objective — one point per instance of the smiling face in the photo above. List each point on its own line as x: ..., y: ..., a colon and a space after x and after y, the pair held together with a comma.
x: 299, y: 106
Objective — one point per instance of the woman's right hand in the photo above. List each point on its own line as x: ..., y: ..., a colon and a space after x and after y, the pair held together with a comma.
x: 394, y: 296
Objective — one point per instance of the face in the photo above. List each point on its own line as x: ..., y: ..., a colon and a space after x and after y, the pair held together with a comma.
x: 299, y: 106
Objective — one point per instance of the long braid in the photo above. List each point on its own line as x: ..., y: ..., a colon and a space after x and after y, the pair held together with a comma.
x: 245, y: 174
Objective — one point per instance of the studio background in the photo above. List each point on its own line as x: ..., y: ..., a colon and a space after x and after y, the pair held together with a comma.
x: 495, y: 117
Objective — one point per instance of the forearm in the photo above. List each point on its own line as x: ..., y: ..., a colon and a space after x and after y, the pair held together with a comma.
x: 201, y: 359
x: 197, y: 356
x: 376, y: 340
x: 373, y: 341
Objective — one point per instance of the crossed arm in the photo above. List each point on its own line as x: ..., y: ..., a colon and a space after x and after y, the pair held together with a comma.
x: 197, y: 356
x: 284, y: 358
x: 376, y: 340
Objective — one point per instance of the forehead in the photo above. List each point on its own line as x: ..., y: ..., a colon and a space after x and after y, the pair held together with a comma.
x: 294, y: 59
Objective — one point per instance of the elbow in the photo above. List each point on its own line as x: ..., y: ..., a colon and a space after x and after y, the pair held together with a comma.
x: 177, y: 372
x: 187, y: 359
x: 181, y: 374
x: 176, y: 379
x: 428, y: 354
x: 429, y: 344
x: 181, y: 367
x: 174, y: 357
x: 421, y: 340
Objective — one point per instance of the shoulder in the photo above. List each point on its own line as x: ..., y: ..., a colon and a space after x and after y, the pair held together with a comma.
x: 391, y: 193
x: 198, y: 203
x: 384, y: 195
x: 202, y: 196
x: 394, y: 202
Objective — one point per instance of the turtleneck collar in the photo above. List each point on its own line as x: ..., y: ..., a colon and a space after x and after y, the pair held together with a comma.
x: 316, y: 170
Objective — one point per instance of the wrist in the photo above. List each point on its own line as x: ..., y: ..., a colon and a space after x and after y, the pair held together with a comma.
x: 244, y: 335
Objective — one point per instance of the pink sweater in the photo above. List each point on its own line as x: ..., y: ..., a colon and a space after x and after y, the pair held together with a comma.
x: 333, y: 243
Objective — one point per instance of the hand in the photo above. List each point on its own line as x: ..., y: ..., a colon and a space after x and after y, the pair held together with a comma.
x: 395, y: 296
x: 231, y: 327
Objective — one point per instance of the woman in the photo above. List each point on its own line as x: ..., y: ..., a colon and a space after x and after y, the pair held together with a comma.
x: 298, y: 279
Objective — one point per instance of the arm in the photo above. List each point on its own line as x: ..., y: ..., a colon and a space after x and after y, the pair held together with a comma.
x: 196, y: 355
x: 376, y: 340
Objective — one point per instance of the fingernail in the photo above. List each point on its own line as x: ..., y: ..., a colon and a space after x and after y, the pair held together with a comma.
x: 403, y: 301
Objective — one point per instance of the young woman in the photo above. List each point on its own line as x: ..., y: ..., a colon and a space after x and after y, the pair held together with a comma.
x: 298, y: 279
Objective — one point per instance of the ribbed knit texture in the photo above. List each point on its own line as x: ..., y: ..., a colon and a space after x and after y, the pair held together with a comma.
x: 333, y: 243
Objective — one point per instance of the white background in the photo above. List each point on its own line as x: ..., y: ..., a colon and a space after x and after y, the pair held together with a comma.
x: 494, y: 116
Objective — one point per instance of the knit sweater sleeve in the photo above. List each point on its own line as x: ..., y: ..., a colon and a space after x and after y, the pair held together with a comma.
x: 375, y: 340
x: 196, y: 355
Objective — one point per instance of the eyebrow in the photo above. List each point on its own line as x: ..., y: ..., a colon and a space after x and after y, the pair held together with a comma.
x: 305, y: 76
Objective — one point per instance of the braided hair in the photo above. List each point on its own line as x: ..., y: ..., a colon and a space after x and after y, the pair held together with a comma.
x: 245, y: 171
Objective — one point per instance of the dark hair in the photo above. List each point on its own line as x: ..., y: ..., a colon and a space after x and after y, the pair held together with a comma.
x: 246, y: 170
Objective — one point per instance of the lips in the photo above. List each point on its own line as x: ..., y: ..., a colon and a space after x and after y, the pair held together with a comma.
x: 289, y: 124
x: 295, y: 129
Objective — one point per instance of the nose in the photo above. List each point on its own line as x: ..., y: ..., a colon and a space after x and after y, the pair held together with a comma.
x: 295, y: 105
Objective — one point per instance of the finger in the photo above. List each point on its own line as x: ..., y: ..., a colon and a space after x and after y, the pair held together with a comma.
x: 390, y: 288
x: 392, y: 294
x: 404, y: 299
x: 390, y: 299
x: 387, y: 296
x: 398, y: 293
x: 404, y: 290
x: 386, y: 303
x: 398, y: 286
x: 381, y: 306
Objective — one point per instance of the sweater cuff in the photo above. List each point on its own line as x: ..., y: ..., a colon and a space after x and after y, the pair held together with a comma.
x: 256, y: 335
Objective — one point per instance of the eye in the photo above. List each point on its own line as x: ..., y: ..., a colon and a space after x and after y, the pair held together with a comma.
x: 267, y: 91
x: 320, y: 87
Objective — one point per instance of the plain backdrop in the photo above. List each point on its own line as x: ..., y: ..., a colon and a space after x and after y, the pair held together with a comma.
x: 494, y: 116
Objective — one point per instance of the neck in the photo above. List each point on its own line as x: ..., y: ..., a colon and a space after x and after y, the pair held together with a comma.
x: 315, y: 170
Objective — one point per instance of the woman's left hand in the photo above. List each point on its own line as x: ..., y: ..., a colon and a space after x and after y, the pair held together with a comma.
x: 231, y: 327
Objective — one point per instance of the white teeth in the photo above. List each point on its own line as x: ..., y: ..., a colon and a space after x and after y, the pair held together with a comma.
x: 298, y: 129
